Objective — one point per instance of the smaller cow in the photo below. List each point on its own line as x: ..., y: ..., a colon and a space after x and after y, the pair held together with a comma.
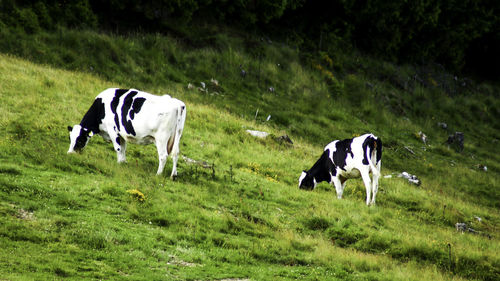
x: 129, y: 115
x: 345, y: 159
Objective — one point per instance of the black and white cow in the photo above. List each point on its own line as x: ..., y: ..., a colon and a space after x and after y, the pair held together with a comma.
x: 129, y: 115
x: 345, y: 159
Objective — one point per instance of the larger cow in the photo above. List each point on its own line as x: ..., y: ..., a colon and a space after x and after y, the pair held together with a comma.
x: 345, y: 159
x: 129, y: 115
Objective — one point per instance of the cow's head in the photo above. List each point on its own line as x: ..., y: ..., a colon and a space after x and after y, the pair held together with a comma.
x: 78, y: 138
x: 307, y: 181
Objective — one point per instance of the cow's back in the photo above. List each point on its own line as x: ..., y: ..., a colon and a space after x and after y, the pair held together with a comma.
x: 348, y: 154
x: 136, y: 114
x: 160, y: 115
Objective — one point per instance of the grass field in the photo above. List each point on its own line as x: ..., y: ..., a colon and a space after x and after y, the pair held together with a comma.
x: 84, y: 216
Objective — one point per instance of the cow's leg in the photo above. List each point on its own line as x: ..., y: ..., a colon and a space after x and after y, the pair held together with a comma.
x: 375, y: 178
x: 338, y: 186
x: 119, y: 145
x: 175, y: 153
x: 366, y: 180
x: 161, y: 146
x: 175, y: 157
x: 121, y: 152
x: 178, y: 134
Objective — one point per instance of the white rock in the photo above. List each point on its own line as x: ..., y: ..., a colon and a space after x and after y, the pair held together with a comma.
x: 258, y: 134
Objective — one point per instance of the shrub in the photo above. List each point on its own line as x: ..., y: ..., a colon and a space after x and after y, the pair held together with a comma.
x: 44, y: 18
x: 345, y: 233
x: 136, y: 194
x: 28, y: 20
x: 376, y: 243
x: 317, y: 223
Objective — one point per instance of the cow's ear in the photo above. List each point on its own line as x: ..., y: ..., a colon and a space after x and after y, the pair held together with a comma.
x: 70, y: 128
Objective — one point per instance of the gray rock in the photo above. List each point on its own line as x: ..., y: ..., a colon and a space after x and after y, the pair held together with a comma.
x: 442, y: 125
x: 284, y: 139
x: 456, y: 140
x: 411, y: 178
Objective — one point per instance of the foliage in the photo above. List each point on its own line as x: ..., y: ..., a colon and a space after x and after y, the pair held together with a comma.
x: 462, y: 35
x: 139, y: 196
x: 31, y: 17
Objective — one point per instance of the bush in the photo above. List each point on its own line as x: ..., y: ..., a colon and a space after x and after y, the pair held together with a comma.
x: 376, y: 243
x: 345, y: 233
x: 42, y: 15
x: 28, y: 20
x: 317, y: 223
x: 44, y: 18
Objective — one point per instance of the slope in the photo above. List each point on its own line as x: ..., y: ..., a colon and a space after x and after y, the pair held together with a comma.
x: 85, y: 216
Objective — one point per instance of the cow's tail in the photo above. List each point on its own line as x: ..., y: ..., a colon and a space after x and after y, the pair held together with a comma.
x: 181, y: 119
x: 179, y: 127
x: 374, y: 156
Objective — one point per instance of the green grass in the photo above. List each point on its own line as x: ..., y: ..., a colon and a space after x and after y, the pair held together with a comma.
x: 76, y: 217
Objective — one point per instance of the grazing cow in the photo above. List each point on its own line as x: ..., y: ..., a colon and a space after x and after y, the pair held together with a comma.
x: 122, y: 116
x: 345, y: 159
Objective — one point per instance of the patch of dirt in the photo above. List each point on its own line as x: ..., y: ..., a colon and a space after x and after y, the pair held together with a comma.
x: 24, y: 215
x: 175, y: 261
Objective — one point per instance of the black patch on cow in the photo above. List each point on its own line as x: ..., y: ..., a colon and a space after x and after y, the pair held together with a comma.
x: 114, y: 105
x: 379, y: 149
x: 365, y: 146
x: 118, y: 140
x: 320, y: 171
x: 343, y: 148
x: 372, y: 144
x: 81, y: 140
x: 93, y: 118
x: 307, y: 182
x: 136, y: 107
x: 127, y: 103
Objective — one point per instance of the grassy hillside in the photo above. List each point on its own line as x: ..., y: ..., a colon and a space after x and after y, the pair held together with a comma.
x: 86, y: 217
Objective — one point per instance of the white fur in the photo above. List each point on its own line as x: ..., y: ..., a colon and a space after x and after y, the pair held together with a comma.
x: 72, y: 137
x: 302, y: 176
